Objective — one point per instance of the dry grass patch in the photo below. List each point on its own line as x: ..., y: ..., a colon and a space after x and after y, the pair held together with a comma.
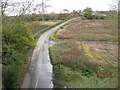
x: 74, y: 63
x: 89, y: 30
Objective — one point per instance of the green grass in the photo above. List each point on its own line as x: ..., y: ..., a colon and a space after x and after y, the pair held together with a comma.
x: 39, y: 33
x: 78, y: 71
x: 53, y: 36
x: 48, y: 22
x: 75, y: 80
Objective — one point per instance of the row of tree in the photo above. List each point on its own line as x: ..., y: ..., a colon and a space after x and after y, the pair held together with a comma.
x: 87, y: 13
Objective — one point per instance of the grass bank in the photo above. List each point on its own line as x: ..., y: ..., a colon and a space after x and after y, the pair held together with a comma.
x: 80, y: 66
x: 53, y: 36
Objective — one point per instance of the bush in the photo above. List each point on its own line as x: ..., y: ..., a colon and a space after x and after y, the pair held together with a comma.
x: 88, y: 15
x: 17, y: 45
x: 64, y: 16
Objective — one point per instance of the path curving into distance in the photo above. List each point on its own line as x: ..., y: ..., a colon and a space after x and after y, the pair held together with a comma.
x: 39, y: 74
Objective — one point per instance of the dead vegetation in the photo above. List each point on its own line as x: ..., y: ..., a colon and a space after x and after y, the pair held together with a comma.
x: 85, y: 64
x: 89, y: 30
x: 89, y: 58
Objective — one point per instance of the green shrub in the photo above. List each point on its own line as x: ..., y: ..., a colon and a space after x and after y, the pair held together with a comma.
x: 17, y: 45
x: 88, y: 15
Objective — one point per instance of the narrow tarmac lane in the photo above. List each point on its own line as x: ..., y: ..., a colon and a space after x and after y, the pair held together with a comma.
x: 39, y: 74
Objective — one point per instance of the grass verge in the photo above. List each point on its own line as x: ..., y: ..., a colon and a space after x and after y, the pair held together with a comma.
x: 53, y: 36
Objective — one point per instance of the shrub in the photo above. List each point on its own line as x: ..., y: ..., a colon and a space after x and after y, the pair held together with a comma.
x: 17, y: 43
x: 88, y: 15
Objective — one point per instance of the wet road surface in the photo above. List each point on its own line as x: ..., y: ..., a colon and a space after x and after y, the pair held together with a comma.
x: 39, y: 74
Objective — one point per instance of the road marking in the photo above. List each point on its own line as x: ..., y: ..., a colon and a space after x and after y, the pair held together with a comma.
x: 36, y: 83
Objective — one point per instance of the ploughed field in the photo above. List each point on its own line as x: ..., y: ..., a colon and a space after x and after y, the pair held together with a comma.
x: 95, y: 30
x: 86, y: 64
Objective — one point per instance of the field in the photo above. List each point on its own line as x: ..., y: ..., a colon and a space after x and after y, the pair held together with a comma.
x: 36, y: 26
x: 85, y: 64
x: 39, y: 27
x: 95, y: 30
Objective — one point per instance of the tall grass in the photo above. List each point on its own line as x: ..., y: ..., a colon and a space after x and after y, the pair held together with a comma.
x: 74, y: 63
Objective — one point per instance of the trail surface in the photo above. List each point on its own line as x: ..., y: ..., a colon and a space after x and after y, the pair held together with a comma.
x: 39, y: 74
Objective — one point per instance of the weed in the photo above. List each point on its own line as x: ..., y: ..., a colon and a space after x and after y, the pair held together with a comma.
x: 78, y: 65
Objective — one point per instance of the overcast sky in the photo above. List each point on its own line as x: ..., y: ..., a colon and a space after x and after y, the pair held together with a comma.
x: 59, y: 5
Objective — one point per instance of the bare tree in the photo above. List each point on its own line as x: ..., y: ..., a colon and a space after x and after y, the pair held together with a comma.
x: 44, y: 8
x: 66, y: 11
x: 19, y: 9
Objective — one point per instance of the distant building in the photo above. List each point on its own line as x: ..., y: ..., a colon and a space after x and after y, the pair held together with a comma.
x: 98, y: 13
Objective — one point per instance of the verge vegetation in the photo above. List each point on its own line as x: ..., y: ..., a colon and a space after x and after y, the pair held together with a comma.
x: 79, y: 65
x: 18, y: 43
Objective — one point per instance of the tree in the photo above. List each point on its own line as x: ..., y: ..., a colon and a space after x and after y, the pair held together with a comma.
x: 113, y: 14
x: 17, y: 42
x: 65, y: 11
x: 88, y: 15
x: 88, y: 10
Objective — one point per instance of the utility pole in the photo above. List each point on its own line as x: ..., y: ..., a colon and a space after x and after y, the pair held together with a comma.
x: 44, y: 8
